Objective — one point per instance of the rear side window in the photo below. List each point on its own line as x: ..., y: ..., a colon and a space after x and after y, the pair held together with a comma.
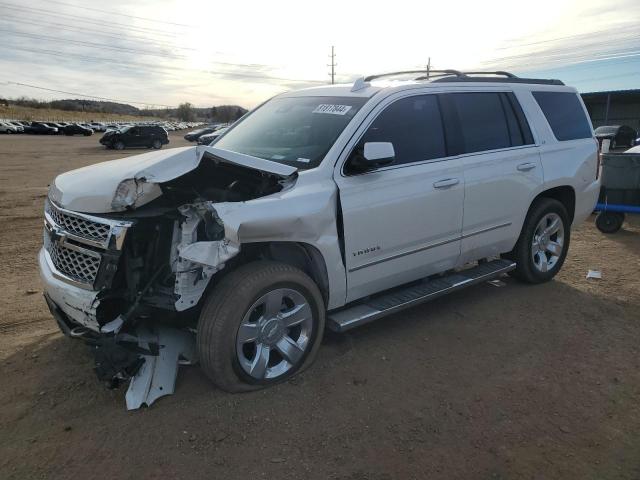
x: 414, y: 126
x: 565, y: 114
x: 483, y: 122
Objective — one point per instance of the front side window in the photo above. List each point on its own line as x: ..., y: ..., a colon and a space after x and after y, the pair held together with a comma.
x: 297, y: 131
x: 565, y: 114
x: 414, y: 126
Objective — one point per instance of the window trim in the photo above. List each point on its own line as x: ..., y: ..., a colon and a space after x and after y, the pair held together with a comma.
x: 369, y: 121
x: 351, y: 144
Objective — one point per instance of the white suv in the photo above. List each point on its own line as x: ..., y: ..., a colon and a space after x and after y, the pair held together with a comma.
x: 330, y: 206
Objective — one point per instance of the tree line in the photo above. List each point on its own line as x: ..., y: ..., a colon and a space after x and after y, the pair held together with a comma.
x: 185, y: 111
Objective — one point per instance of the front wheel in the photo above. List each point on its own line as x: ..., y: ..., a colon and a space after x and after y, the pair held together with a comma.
x: 118, y: 146
x: 543, y: 243
x: 156, y: 144
x: 261, y: 325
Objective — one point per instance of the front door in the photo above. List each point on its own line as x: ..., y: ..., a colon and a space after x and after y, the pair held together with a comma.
x: 402, y: 221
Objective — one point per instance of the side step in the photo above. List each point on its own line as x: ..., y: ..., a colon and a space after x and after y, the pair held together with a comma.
x: 376, y: 307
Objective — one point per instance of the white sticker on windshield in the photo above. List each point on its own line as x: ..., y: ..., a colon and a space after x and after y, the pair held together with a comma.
x: 303, y: 160
x: 332, y: 109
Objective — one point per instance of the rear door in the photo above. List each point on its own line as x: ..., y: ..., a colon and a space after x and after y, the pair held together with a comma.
x: 135, y: 137
x: 502, y: 168
x: 402, y: 221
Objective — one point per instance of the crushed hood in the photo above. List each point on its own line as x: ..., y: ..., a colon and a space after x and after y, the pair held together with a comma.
x: 92, y: 189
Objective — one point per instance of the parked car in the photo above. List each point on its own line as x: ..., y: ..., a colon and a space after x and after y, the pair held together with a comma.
x: 76, y: 129
x: 40, y: 128
x: 322, y: 208
x: 620, y: 135
x: 195, y: 134
x: 98, y: 127
x: 18, y: 125
x: 6, y: 127
x: 149, y: 136
x: 59, y: 126
x: 210, y: 137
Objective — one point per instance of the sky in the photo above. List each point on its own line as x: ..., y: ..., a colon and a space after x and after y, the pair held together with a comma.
x: 153, y: 53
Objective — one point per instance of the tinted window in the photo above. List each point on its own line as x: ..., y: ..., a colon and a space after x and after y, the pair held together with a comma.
x: 413, y: 125
x: 483, y: 122
x: 565, y: 114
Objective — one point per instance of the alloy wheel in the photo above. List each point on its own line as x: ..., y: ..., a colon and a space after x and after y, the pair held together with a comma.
x: 275, y: 334
x: 548, y: 242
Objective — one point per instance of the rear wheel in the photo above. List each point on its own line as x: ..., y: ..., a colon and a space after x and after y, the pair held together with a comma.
x: 609, y: 222
x: 543, y: 243
x: 262, y: 324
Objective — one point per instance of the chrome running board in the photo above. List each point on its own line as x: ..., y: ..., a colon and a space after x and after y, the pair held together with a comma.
x: 398, y: 299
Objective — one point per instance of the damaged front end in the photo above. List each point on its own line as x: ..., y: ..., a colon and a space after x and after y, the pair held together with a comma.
x: 129, y: 280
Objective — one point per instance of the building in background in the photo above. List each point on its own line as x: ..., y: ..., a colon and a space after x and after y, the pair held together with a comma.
x: 618, y: 107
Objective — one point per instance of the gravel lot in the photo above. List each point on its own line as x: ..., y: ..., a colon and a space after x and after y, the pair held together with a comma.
x: 526, y: 382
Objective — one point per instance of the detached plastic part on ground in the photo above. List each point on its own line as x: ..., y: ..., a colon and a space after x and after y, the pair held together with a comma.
x: 157, y: 375
x: 149, y: 357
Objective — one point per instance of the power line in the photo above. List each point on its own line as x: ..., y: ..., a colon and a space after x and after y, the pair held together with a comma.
x: 124, y: 49
x: 111, y: 12
x: 38, y: 11
x: 101, y: 33
x: 9, y: 82
x: 85, y: 43
x: 162, y: 70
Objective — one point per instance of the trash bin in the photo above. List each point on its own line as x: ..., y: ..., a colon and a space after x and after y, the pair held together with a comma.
x: 620, y: 179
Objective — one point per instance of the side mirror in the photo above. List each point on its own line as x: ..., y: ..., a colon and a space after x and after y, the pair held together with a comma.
x: 379, y: 153
x: 372, y: 155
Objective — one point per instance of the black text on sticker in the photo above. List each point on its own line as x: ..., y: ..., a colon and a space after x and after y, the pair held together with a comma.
x: 332, y: 109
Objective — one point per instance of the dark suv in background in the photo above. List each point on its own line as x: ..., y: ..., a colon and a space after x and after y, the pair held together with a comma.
x: 148, y: 136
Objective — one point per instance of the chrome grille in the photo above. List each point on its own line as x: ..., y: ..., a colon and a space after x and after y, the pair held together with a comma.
x: 76, y: 263
x: 79, y: 226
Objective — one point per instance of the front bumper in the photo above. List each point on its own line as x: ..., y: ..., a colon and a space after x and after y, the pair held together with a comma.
x: 77, y: 304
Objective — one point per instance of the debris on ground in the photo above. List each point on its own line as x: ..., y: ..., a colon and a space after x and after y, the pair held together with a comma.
x: 594, y: 274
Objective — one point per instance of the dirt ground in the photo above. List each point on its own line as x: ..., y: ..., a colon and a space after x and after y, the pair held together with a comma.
x: 532, y: 382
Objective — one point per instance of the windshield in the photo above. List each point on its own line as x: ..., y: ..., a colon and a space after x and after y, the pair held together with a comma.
x: 298, y: 131
x: 606, y: 130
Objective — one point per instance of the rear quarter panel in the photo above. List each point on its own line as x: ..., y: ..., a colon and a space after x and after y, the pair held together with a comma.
x: 571, y: 163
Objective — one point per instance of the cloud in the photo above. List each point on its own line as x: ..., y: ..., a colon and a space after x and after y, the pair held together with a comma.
x: 246, y: 51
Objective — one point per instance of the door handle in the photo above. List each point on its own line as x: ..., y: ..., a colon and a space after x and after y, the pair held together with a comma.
x: 525, y: 167
x: 447, y: 182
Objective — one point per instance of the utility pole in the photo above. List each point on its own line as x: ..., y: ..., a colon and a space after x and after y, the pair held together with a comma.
x: 333, y: 65
x: 428, y: 67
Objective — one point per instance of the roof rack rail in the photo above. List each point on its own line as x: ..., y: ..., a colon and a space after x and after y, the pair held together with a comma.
x: 497, y: 72
x: 407, y: 72
x: 450, y: 75
x: 514, y: 79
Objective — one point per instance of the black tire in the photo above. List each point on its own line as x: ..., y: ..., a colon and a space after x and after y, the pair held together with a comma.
x: 118, y: 146
x: 224, y: 311
x: 609, y: 222
x: 157, y: 144
x: 522, y: 253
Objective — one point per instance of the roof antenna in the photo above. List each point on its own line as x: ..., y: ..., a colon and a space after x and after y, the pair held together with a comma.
x: 359, y: 84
